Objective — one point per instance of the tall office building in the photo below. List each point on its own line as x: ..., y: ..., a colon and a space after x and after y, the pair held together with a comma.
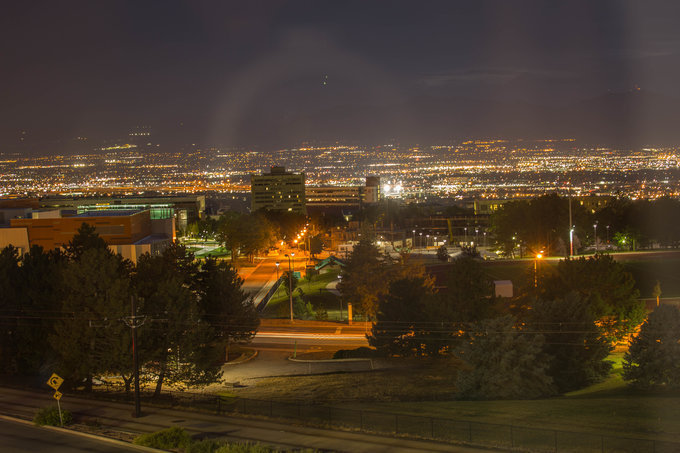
x: 372, y: 192
x: 278, y: 190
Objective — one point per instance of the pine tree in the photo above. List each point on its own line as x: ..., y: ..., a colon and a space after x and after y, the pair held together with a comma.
x: 503, y: 362
x: 653, y: 358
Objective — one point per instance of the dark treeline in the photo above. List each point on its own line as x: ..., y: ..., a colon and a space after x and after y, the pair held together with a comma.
x: 553, y: 337
x: 66, y: 312
x: 543, y: 224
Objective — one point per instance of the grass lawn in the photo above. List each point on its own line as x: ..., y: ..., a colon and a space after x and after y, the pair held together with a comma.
x: 646, y: 271
x: 427, y: 388
x: 314, y: 292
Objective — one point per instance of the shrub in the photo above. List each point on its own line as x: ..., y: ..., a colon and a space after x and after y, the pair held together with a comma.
x: 204, y: 446
x: 243, y: 448
x: 49, y: 416
x: 166, y: 439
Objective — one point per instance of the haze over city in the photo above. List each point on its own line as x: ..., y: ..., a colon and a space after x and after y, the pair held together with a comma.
x: 287, y: 226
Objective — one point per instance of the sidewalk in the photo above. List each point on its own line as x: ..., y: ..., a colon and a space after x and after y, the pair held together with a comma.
x: 116, y: 415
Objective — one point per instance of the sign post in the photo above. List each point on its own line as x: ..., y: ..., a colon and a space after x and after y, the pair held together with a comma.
x: 55, y: 382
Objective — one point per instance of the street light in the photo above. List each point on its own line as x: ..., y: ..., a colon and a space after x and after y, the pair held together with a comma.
x: 427, y: 240
x: 421, y: 238
x: 291, y: 265
x: 607, y: 234
x: 465, y: 241
x: 413, y: 244
x: 539, y: 255
x: 595, y: 234
x: 277, y: 269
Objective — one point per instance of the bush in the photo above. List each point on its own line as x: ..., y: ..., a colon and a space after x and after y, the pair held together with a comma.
x: 49, y: 416
x: 244, y: 448
x: 166, y: 439
x: 204, y: 446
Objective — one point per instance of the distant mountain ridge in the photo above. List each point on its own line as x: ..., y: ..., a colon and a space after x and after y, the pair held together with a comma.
x: 630, y: 118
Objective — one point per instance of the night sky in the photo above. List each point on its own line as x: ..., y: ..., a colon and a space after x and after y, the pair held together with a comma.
x: 243, y: 71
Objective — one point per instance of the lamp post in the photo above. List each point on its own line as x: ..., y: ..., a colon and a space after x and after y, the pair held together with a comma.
x: 595, y: 234
x: 291, y: 265
x: 277, y: 269
x: 607, y: 234
x: 421, y: 238
x: 465, y: 241
x: 427, y: 240
x: 413, y: 244
x: 539, y: 255
x: 571, y: 241
x: 477, y: 236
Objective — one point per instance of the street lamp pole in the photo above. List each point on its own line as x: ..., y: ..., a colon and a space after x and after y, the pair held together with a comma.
x: 595, y: 234
x: 539, y: 255
x: 413, y: 244
x: 421, y: 238
x: 290, y: 282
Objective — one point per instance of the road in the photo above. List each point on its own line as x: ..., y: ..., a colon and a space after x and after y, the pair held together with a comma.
x: 235, y: 429
x: 19, y: 437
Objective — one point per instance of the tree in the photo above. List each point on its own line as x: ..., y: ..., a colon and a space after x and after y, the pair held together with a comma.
x: 225, y: 306
x: 365, y: 278
x: 86, y: 238
x: 402, y: 323
x: 91, y: 338
x: 442, y: 253
x: 315, y: 245
x: 503, y: 362
x: 653, y: 358
x: 246, y: 234
x: 606, y: 286
x: 469, y: 292
x: 39, y: 298
x: 9, y: 339
x: 576, y: 345
x: 175, y: 343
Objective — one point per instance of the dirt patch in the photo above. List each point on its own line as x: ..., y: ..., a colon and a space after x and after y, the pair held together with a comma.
x: 428, y: 381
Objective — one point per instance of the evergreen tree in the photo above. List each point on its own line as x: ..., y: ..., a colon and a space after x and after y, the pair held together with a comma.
x: 176, y: 344
x: 365, y: 278
x: 653, y: 358
x: 403, y: 326
x: 503, y: 362
x: 576, y: 345
x: 91, y: 338
x: 606, y: 286
x: 225, y: 306
x: 86, y: 238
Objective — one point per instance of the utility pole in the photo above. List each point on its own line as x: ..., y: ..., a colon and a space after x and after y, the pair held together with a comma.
x: 134, y: 321
x: 571, y: 229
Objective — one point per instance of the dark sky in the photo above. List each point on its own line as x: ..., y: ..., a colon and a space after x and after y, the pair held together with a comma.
x: 99, y: 68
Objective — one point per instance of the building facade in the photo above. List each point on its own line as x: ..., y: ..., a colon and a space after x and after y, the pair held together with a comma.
x: 278, y: 190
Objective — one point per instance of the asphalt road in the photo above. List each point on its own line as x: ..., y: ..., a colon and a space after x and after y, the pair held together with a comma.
x: 19, y: 437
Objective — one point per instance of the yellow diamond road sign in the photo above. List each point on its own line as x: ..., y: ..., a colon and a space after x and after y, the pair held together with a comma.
x: 57, y: 395
x: 55, y: 382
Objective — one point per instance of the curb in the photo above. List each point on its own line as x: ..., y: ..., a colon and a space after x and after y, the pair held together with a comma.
x: 292, y: 359
x: 244, y: 360
x: 82, y: 434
